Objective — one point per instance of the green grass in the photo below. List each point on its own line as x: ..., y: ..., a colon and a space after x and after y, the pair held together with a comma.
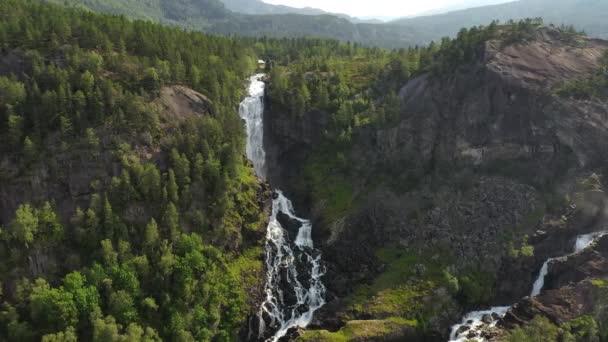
x: 600, y: 282
x: 397, y: 292
x: 360, y: 330
x: 328, y: 184
x: 248, y: 267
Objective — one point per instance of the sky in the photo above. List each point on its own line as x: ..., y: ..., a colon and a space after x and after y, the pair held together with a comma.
x: 383, y: 8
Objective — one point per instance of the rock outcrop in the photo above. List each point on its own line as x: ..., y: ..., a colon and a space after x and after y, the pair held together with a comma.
x: 575, y: 286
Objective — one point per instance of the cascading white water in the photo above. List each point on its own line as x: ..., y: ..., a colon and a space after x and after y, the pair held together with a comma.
x: 582, y: 242
x: 294, y: 290
x: 540, y: 280
x: 251, y: 111
x: 474, y: 320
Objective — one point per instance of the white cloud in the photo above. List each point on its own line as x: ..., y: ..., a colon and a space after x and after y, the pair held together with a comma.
x: 371, y: 8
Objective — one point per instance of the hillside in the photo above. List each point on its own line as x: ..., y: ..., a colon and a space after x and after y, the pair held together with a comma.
x: 212, y: 16
x: 587, y: 15
x: 260, y: 7
x: 255, y: 18
x: 128, y: 211
x: 443, y: 183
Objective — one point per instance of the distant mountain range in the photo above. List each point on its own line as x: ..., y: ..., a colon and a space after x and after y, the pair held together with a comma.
x: 234, y: 17
x: 588, y: 15
x: 257, y: 18
x: 259, y: 7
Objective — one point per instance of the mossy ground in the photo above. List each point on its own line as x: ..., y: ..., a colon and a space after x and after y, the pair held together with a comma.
x: 360, y: 330
x: 324, y: 175
x: 402, y: 290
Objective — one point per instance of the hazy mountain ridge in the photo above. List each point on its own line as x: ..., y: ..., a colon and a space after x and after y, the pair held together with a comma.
x: 256, y: 18
x: 588, y: 15
x: 260, y: 7
x: 212, y: 16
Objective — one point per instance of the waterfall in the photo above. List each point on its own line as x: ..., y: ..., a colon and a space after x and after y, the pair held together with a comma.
x: 582, y: 242
x: 251, y: 111
x: 540, y: 280
x: 293, y: 289
x: 475, y: 321
x: 472, y: 324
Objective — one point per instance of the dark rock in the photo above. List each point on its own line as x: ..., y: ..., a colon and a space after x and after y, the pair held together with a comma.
x: 462, y: 329
x: 291, y: 225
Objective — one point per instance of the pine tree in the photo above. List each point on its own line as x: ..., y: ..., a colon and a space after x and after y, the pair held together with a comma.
x: 151, y: 237
x: 172, y: 190
x: 171, y: 221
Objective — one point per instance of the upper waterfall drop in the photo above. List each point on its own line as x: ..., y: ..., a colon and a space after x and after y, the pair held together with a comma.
x: 252, y: 111
x: 293, y: 289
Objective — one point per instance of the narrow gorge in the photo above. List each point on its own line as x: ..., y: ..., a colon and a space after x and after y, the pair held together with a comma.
x: 294, y: 290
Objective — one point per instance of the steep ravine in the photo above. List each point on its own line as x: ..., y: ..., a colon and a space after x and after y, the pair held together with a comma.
x: 294, y: 288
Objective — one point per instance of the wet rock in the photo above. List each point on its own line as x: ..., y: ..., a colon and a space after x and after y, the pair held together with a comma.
x: 487, y: 319
x: 291, y: 225
x: 462, y: 329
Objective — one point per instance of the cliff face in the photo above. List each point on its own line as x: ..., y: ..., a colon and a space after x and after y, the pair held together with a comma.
x: 502, y: 108
x: 575, y: 287
x: 475, y: 170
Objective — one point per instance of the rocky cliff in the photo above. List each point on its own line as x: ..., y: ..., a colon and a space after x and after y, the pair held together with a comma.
x: 470, y: 191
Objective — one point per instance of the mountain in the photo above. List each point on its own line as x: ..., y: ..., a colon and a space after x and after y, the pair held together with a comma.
x: 588, y: 15
x: 212, y: 16
x: 256, y: 18
x: 188, y: 13
x: 319, y: 26
x: 461, y: 5
x: 442, y: 184
x: 260, y: 7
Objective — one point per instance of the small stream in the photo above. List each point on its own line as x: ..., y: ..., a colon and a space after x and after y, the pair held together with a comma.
x: 475, y: 322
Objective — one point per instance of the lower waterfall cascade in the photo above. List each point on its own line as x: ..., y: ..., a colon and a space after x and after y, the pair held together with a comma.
x: 473, y: 323
x: 293, y: 289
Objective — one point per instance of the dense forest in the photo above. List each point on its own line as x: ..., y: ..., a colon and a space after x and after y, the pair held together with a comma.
x: 158, y: 244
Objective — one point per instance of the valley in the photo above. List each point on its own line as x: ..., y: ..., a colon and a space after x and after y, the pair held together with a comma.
x: 158, y: 183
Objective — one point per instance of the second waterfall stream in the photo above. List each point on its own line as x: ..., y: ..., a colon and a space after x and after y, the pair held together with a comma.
x: 293, y: 290
x: 472, y: 325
